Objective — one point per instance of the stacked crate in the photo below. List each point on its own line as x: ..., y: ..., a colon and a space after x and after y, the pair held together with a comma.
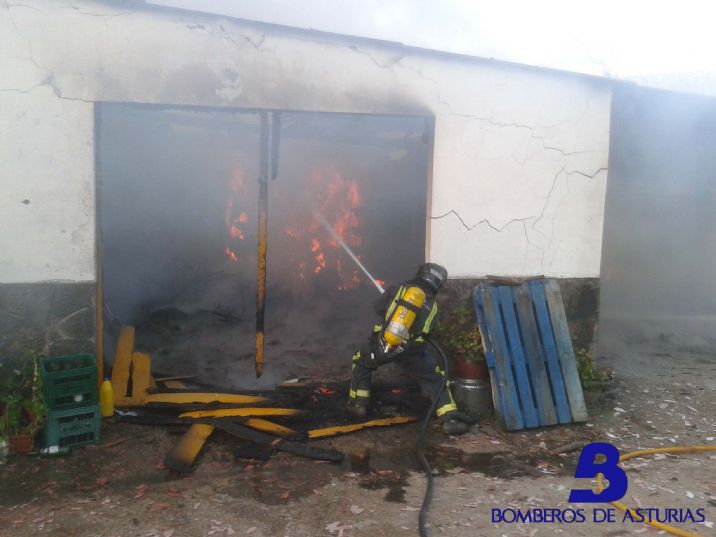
x: 69, y: 385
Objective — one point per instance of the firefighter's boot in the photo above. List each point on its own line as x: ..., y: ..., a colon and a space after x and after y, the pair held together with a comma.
x: 453, y: 426
x: 356, y: 409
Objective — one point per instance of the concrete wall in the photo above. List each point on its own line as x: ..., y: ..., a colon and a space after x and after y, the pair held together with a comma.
x: 519, y: 170
x: 47, y: 227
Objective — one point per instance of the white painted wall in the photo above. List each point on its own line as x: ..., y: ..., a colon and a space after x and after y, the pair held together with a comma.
x: 520, y: 154
x: 47, y: 188
x: 520, y: 178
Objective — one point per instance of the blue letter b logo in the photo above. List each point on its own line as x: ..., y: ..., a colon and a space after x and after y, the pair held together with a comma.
x: 587, y: 468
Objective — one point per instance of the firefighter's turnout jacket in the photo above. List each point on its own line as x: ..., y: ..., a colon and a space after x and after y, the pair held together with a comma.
x: 415, y: 358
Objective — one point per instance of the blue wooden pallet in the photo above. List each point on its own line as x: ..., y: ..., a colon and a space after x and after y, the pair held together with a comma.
x: 529, y: 354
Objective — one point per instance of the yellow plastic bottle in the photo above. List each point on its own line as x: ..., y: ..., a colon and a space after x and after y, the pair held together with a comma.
x: 106, y: 399
x: 398, y: 330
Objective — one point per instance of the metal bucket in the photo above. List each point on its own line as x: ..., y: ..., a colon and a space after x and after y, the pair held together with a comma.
x: 473, y: 397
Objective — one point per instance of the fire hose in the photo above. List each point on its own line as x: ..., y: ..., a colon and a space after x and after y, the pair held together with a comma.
x: 428, y: 498
x: 640, y: 453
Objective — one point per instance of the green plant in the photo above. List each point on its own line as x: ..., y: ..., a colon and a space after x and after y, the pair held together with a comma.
x: 12, y: 414
x: 22, y: 406
x: 589, y: 374
x: 458, y: 330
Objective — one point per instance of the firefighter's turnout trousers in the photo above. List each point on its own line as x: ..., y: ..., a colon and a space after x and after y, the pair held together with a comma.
x: 418, y: 363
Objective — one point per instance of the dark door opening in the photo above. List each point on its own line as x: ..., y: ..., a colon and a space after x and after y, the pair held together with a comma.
x: 179, y: 198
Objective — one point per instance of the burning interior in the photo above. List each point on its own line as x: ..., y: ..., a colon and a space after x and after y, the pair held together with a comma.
x: 180, y: 206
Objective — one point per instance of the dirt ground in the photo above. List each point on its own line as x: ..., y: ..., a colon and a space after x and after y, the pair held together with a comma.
x: 121, y: 487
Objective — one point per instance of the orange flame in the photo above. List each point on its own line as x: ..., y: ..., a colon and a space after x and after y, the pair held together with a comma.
x: 236, y: 233
x: 338, y: 200
x: 320, y: 258
x: 292, y: 231
x: 231, y: 254
x: 233, y: 221
x: 336, y: 197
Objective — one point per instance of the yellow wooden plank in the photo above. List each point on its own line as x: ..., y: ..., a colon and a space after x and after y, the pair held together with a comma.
x: 180, y: 377
x: 182, y: 457
x: 141, y: 376
x: 240, y: 412
x: 122, y: 361
x: 174, y: 384
x: 272, y: 428
x: 343, y: 429
x: 203, y: 398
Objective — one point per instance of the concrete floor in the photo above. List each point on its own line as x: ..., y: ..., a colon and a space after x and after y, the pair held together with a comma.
x: 124, y: 490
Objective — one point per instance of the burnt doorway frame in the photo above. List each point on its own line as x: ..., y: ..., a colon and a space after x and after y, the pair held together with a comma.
x: 268, y: 159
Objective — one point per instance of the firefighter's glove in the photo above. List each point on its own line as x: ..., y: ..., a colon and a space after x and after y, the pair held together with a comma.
x: 374, y: 358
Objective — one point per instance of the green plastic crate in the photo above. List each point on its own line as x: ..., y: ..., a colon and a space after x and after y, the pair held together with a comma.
x: 69, y: 381
x: 73, y: 427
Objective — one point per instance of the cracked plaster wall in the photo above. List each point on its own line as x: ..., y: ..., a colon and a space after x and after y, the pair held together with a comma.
x: 519, y: 170
x: 47, y: 185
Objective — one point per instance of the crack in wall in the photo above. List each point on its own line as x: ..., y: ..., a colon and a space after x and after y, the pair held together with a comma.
x: 71, y: 8
x: 21, y: 35
x: 438, y: 87
x: 373, y: 58
x: 587, y: 175
x: 50, y: 79
x: 240, y: 39
x: 400, y: 63
x: 540, y: 216
x: 483, y: 221
x: 25, y: 91
x: 537, y: 219
x: 50, y: 83
x: 531, y: 129
x: 256, y: 44
x: 495, y: 122
x: 527, y: 246
x: 550, y: 239
x: 227, y: 36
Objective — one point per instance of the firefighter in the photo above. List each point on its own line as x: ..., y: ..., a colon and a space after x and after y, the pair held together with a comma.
x: 412, y: 355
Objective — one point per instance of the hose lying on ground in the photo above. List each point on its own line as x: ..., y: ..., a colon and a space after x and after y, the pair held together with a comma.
x: 428, y: 498
x: 641, y: 453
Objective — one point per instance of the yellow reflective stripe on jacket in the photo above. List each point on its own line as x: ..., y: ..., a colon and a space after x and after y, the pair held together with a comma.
x: 429, y: 320
x: 447, y: 389
x: 450, y: 407
x: 358, y: 393
x: 391, y: 308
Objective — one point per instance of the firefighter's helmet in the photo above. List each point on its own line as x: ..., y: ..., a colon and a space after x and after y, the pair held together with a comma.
x: 433, y: 275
